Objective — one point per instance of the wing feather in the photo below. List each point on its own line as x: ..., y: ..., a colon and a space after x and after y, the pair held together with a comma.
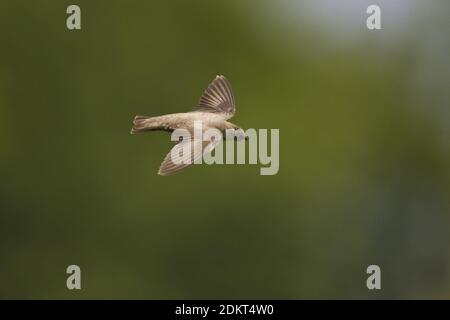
x: 218, y: 98
x: 168, y: 166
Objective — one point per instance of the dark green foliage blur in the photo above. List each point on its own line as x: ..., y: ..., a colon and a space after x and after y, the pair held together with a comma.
x: 364, y: 154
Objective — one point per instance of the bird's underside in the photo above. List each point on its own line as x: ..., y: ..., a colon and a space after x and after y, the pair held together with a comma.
x: 215, y: 107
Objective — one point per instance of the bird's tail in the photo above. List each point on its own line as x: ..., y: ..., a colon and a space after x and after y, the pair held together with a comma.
x: 142, y: 124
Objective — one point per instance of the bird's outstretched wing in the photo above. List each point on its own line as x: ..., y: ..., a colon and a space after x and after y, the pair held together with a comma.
x: 171, y: 165
x: 217, y: 98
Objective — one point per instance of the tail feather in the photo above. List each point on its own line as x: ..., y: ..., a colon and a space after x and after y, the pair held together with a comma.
x: 141, y: 124
x: 140, y: 117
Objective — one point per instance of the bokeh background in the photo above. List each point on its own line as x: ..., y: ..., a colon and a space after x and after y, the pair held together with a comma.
x: 364, y: 119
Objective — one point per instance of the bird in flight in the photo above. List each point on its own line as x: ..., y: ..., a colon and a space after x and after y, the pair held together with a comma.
x: 215, y: 107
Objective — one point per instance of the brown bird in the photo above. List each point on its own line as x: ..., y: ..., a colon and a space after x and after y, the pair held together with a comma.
x: 215, y: 107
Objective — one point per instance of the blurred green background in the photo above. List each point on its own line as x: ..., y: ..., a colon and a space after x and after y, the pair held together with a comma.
x: 364, y: 174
